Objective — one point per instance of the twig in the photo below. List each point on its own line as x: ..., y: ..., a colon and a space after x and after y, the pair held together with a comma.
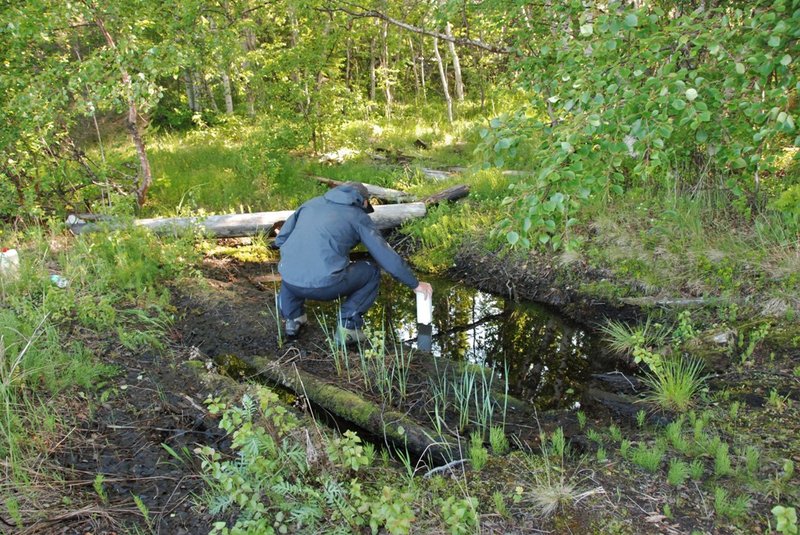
x: 444, y: 467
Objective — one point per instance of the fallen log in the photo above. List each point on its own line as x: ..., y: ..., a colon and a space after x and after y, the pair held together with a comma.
x: 435, y: 174
x: 238, y: 225
x: 674, y: 302
x: 450, y: 194
x: 394, y: 426
x: 378, y: 192
x: 505, y: 172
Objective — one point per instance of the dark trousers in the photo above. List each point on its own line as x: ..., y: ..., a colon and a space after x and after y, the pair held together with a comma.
x: 359, y: 287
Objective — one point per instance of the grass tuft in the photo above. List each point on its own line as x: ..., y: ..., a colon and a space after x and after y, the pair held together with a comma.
x: 675, y: 384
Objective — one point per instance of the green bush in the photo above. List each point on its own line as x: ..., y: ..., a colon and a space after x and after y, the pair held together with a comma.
x: 647, y: 96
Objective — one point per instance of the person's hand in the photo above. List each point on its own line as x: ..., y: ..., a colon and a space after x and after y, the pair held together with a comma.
x: 425, y: 289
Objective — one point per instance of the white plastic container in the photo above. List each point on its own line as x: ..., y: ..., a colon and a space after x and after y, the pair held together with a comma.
x: 9, y: 263
x: 424, y: 309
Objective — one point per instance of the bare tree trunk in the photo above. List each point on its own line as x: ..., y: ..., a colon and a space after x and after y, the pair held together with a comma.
x: 226, y: 79
x: 190, y: 92
x: 209, y: 93
x: 422, y: 69
x: 250, y: 44
x: 414, y: 69
x: 481, y: 81
x: 145, y: 175
x: 459, y: 84
x: 372, y: 69
x: 226, y: 88
x: 443, y: 76
x: 349, y: 56
x: 387, y: 79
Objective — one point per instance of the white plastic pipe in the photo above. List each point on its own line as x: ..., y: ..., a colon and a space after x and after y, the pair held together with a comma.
x: 424, y: 309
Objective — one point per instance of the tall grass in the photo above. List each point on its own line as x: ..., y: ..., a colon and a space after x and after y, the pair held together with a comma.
x: 674, y: 385
x: 114, y: 287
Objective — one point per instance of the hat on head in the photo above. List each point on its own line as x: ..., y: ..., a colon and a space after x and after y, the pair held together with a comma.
x: 364, y: 192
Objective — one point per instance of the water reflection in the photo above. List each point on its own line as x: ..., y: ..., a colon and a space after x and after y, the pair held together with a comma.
x: 547, y: 358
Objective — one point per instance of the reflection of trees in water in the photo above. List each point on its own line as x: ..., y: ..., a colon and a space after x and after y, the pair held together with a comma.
x: 457, y: 308
x: 545, y: 356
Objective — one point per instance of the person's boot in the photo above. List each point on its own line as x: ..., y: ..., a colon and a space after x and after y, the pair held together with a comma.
x: 293, y: 326
x: 347, y: 336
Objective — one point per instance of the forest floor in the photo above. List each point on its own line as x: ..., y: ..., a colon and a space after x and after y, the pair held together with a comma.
x: 157, y: 400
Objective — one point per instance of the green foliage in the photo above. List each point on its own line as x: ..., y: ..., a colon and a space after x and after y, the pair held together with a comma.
x: 648, y: 457
x: 558, y: 443
x: 724, y: 506
x: 645, y: 95
x: 347, y: 451
x: 722, y: 460
x: 581, y: 419
x: 478, y: 454
x: 696, y: 470
x: 498, y: 440
x: 615, y: 432
x: 754, y: 338
x: 112, y: 288
x: 674, y: 385
x: 785, y: 520
x: 272, y: 487
x: 678, y: 472
x: 99, y: 487
x: 626, y: 339
x: 460, y: 515
x: 393, y: 510
x: 675, y: 436
x: 752, y: 458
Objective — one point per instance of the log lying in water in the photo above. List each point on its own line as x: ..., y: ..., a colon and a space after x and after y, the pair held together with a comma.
x: 394, y: 426
x: 238, y: 225
x: 378, y: 192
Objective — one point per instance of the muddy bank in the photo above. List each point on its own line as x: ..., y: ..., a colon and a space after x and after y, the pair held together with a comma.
x: 539, y: 278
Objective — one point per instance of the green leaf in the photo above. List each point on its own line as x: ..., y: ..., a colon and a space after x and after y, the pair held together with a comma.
x: 594, y: 119
x: 544, y: 238
x: 774, y: 41
x: 738, y: 163
x: 566, y: 146
x: 512, y: 237
x: 691, y: 94
x: 631, y: 21
x: 740, y: 68
x: 502, y: 144
x: 786, y: 60
x: 484, y: 132
x: 587, y: 30
x: 701, y: 136
x: 679, y: 104
x: 611, y: 44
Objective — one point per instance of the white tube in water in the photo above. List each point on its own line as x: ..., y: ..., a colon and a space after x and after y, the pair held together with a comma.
x: 424, y: 309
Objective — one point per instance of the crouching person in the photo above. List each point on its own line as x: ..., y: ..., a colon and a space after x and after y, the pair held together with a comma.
x: 315, y: 244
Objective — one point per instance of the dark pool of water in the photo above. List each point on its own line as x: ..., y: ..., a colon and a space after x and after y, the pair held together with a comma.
x: 547, y: 358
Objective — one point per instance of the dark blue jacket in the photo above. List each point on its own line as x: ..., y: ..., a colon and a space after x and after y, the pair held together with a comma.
x: 316, y: 240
